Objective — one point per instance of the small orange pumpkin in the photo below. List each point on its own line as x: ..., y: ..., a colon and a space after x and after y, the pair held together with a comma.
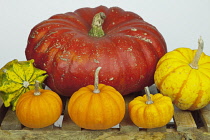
x: 151, y: 111
x: 38, y: 108
x: 96, y: 106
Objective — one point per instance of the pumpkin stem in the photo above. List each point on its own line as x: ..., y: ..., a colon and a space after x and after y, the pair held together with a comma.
x: 96, y: 90
x: 96, y: 30
x: 36, y: 90
x: 149, y: 100
x: 194, y: 63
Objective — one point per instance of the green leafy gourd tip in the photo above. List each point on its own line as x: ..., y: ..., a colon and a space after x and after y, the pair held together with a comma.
x: 16, y: 78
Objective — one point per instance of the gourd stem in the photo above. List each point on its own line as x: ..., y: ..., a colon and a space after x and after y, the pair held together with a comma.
x: 149, y: 100
x: 96, y: 30
x: 96, y: 81
x: 194, y: 63
x: 36, y: 90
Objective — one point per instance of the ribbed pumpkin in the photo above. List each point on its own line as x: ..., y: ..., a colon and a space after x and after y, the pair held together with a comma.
x: 151, y: 111
x: 70, y: 46
x: 38, y: 108
x: 184, y: 76
x: 96, y: 106
x: 16, y: 78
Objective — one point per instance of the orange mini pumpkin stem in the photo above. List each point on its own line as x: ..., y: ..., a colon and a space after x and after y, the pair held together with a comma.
x: 36, y: 90
x: 194, y: 63
x: 96, y: 81
x: 149, y: 100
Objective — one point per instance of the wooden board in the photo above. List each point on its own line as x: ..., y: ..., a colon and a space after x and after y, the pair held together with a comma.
x: 68, y: 124
x: 205, y: 116
x: 3, y: 110
x: 10, y: 121
x: 184, y: 120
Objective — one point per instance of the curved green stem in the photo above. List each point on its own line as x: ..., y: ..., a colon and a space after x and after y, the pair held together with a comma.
x: 96, y: 30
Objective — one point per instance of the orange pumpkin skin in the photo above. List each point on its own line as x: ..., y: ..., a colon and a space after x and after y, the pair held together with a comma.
x: 154, y: 115
x: 38, y: 111
x: 96, y: 111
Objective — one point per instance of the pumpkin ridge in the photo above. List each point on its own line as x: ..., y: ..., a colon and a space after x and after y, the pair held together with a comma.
x: 89, y: 108
x: 57, y: 99
x: 57, y: 52
x: 145, y: 58
x: 86, y: 13
x: 159, y: 113
x: 119, y: 56
x: 118, y: 13
x: 16, y: 97
x: 78, y: 97
x: 10, y: 96
x: 178, y: 95
x: 196, y: 101
x: 49, y: 35
x: 70, y: 18
x: 73, y: 111
x: 122, y: 69
x: 159, y: 85
x: 205, y: 73
x: 20, y: 78
x: 112, y: 90
x: 133, y: 104
x: 102, y: 107
x: 44, y: 102
x: 165, y: 101
x: 165, y: 60
x: 29, y: 103
x: 22, y: 101
x: 174, y: 59
x: 184, y: 56
x: 35, y: 108
x: 51, y: 107
x: 111, y: 94
x: 53, y: 72
x: 5, y: 89
x: 169, y: 107
x: 204, y: 64
x: 157, y: 97
x: 132, y: 24
x: 144, y: 113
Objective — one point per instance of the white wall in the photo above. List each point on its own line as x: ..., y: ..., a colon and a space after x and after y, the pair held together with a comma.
x: 181, y: 22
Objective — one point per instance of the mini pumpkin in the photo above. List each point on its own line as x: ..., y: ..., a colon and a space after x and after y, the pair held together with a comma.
x: 151, y: 111
x: 96, y: 106
x: 16, y: 78
x: 184, y: 75
x: 38, y: 108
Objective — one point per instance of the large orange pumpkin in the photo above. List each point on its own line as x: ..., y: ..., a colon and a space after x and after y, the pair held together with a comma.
x: 96, y: 106
x: 70, y: 46
x: 38, y: 108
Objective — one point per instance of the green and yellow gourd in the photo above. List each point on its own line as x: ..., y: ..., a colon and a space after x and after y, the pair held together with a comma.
x: 16, y: 78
